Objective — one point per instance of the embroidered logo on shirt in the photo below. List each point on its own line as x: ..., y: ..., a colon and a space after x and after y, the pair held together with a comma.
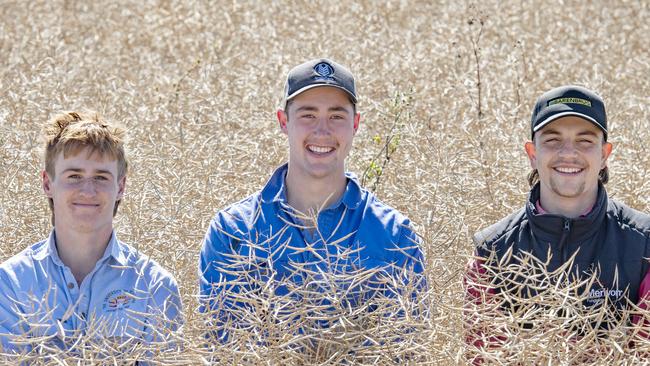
x: 118, y: 300
x: 597, y: 296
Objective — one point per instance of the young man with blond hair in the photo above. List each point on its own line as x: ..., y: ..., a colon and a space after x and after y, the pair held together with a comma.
x: 81, y: 280
x: 311, y: 214
x: 568, y: 223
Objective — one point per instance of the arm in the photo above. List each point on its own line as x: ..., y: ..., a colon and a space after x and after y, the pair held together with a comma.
x: 210, y: 272
x: 411, y: 246
x: 479, y: 302
x: 216, y: 280
x: 166, y: 307
x: 10, y: 320
x: 643, y: 319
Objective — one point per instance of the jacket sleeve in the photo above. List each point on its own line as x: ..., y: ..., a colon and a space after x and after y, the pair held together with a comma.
x: 643, y: 319
x: 479, y: 297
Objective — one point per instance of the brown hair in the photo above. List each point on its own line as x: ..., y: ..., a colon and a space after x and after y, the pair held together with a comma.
x: 71, y: 132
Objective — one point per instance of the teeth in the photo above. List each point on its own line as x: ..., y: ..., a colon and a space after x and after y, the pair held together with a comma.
x: 568, y: 170
x: 319, y: 149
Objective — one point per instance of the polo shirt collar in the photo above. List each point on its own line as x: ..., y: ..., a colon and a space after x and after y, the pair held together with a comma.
x: 114, y: 250
x: 275, y: 189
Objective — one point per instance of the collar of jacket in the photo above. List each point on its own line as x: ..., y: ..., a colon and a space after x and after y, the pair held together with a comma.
x: 550, y: 226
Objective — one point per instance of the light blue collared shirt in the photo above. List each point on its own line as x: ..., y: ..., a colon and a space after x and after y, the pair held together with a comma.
x: 126, y: 295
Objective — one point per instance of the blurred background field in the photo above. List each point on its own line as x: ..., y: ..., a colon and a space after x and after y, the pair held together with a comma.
x: 446, y: 91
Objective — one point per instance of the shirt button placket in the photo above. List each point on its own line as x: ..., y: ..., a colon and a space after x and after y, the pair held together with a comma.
x: 73, y: 295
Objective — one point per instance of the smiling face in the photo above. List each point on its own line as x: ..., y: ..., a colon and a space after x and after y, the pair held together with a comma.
x: 84, y: 190
x: 568, y: 154
x: 320, y: 124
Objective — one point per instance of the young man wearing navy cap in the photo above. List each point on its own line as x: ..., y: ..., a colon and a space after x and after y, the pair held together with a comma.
x: 311, y: 211
x: 568, y: 216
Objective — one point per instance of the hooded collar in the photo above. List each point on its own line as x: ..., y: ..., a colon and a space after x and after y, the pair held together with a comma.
x: 551, y: 225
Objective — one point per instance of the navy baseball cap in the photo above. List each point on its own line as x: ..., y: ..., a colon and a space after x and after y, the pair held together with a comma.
x: 315, y: 73
x: 569, y: 100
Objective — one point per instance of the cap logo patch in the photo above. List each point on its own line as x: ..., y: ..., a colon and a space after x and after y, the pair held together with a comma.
x: 581, y: 101
x: 324, y: 69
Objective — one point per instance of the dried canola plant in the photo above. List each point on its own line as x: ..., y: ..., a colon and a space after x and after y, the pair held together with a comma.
x: 446, y: 90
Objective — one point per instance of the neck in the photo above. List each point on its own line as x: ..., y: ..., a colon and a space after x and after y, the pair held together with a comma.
x: 80, y: 251
x: 309, y: 195
x: 568, y: 207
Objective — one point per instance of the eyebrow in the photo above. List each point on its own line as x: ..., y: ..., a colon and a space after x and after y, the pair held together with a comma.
x: 581, y: 133
x: 308, y: 108
x: 97, y: 171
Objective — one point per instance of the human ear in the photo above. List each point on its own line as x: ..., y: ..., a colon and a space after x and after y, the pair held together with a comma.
x: 46, y: 183
x: 121, y: 186
x: 282, y: 120
x: 532, y: 154
x: 357, y: 120
x: 607, y: 150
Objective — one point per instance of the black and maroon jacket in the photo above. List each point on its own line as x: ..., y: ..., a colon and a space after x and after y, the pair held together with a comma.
x: 612, y: 239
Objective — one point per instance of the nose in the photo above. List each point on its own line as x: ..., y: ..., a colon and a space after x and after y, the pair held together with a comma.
x: 322, y: 125
x: 568, y: 149
x: 88, y: 186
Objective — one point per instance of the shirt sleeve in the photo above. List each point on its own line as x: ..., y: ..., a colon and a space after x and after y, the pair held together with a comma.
x: 9, y: 321
x: 224, y: 280
x: 165, y: 302
x: 412, y: 248
x: 211, y: 260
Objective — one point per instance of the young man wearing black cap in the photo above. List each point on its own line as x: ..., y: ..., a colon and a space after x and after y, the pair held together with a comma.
x: 311, y: 211
x: 568, y: 216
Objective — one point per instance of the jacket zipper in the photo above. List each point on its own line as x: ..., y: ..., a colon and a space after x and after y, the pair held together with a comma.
x: 563, y: 239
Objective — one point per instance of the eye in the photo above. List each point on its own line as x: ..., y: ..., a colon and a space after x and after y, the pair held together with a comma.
x: 74, y: 176
x: 337, y: 116
x: 307, y: 115
x: 101, y: 178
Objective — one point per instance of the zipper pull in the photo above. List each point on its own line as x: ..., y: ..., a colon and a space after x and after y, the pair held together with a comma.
x: 567, y: 225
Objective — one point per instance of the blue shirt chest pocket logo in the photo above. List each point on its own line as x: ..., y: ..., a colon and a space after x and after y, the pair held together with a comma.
x: 118, y: 300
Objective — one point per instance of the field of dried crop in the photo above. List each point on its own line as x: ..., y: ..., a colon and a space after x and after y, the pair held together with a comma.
x: 446, y: 91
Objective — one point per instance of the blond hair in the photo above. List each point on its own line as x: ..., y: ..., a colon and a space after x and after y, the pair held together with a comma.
x: 71, y: 132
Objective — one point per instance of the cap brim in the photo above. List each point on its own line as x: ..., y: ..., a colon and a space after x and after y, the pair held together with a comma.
x: 568, y: 113
x: 311, y: 86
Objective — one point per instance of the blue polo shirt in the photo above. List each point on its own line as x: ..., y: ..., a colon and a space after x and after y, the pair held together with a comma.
x: 126, y: 295
x: 357, y: 232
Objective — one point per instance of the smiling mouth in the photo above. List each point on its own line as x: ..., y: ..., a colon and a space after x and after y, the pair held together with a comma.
x: 86, y: 204
x: 564, y: 170
x: 320, y: 150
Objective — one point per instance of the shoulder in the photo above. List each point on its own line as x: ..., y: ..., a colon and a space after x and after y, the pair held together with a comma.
x: 628, y: 218
x: 22, y: 262
x: 502, y: 228
x: 243, y: 211
x: 151, y: 270
x: 381, y: 214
